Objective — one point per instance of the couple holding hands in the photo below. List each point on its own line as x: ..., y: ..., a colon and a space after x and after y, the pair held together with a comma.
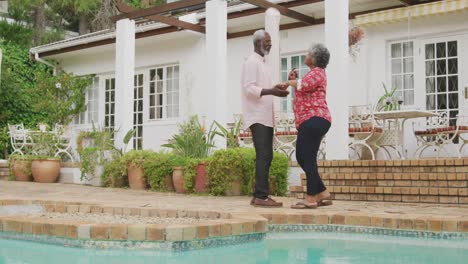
x: 312, y: 118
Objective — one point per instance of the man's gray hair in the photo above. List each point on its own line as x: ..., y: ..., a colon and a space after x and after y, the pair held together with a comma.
x: 258, y: 35
x: 320, y: 54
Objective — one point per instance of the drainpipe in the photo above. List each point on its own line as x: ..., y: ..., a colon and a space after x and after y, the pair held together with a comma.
x: 37, y: 58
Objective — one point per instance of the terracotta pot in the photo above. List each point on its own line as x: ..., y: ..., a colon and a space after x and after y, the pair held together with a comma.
x: 169, y: 183
x: 45, y: 171
x: 136, y: 179
x: 200, y: 178
x: 178, y: 179
x: 235, y: 189
x: 21, y: 170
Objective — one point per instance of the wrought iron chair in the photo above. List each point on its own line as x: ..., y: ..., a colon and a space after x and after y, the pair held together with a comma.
x: 428, y: 133
x: 459, y: 132
x: 63, y: 140
x: 364, y: 131
x: 285, y: 134
x: 19, y: 139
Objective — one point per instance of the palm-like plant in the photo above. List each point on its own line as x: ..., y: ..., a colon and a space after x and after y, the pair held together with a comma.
x: 386, y: 102
x: 191, y: 141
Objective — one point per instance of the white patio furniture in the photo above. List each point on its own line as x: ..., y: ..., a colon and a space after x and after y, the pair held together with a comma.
x: 427, y: 133
x: 450, y: 134
x: 364, y: 130
x: 63, y: 144
x: 20, y: 141
x: 394, y: 128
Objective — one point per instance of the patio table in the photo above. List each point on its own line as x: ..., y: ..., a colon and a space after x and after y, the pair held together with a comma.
x: 395, y: 137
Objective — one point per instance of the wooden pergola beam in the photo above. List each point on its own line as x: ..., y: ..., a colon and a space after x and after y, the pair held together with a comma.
x: 302, y: 24
x: 156, y: 10
x: 283, y: 10
x: 409, y: 2
x: 259, y: 10
x: 125, y: 9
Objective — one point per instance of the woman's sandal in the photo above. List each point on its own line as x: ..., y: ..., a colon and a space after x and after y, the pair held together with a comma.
x: 303, y: 205
x: 325, y: 201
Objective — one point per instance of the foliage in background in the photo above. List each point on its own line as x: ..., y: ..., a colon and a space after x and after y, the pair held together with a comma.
x: 230, y: 134
x: 62, y: 96
x: 191, y: 140
x: 387, y: 101
x: 238, y: 164
x: 158, y: 166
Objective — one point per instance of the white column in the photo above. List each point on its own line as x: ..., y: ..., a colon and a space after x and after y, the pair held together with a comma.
x: 124, y: 74
x: 216, y: 59
x: 272, y: 23
x: 336, y: 40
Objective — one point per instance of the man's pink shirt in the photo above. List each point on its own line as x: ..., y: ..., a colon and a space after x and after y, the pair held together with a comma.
x: 255, y: 77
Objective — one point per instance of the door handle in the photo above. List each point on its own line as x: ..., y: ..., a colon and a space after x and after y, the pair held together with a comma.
x: 466, y: 92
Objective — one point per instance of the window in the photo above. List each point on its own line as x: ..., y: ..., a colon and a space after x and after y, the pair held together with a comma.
x: 164, y: 93
x: 441, y: 78
x: 402, y: 70
x: 109, y: 105
x: 91, y: 114
x: 287, y: 64
x: 138, y: 111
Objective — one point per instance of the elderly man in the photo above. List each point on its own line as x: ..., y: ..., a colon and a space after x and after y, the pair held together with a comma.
x: 257, y: 110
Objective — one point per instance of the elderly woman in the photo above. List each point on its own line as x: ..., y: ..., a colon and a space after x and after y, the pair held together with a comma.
x: 313, y: 120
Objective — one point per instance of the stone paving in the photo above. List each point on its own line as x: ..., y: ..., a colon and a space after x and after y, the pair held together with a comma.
x: 225, y: 216
x: 146, y: 199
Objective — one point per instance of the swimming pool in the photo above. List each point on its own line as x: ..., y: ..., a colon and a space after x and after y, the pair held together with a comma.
x: 276, y: 248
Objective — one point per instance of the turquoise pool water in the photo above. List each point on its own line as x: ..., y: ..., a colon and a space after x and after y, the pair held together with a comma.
x: 277, y: 248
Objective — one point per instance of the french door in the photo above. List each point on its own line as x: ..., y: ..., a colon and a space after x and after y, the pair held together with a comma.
x: 445, y: 78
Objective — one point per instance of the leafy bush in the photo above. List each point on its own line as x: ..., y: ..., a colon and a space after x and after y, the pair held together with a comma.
x: 226, y: 166
x: 114, y: 174
x: 156, y: 167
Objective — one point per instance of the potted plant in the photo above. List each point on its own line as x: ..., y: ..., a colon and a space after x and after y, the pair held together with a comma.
x: 178, y: 179
x: 95, y: 149
x: 158, y: 169
x: 20, y: 167
x: 45, y: 166
x: 135, y: 161
x: 193, y: 143
x: 225, y: 171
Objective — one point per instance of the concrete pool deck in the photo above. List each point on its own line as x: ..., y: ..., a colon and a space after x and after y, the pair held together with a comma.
x: 234, y: 214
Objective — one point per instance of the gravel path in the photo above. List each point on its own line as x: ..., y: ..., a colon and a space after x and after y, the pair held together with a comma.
x: 118, y: 219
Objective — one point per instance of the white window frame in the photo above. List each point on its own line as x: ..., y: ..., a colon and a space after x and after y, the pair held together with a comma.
x: 391, y: 75
x: 110, y: 103
x: 136, y: 101
x: 91, y: 114
x: 289, y: 100
x: 164, y: 93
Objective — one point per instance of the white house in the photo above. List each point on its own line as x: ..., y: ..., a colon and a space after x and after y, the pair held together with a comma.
x: 165, y: 74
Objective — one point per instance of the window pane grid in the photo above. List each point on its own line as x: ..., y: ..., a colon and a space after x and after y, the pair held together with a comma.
x: 402, y: 70
x: 109, y: 105
x: 287, y: 64
x: 138, y: 111
x: 441, y: 76
x: 164, y: 92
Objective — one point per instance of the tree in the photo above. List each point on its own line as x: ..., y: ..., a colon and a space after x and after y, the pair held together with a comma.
x: 82, y: 10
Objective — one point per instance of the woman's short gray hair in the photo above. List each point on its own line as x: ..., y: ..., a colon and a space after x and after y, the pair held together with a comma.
x: 320, y: 54
x: 258, y: 35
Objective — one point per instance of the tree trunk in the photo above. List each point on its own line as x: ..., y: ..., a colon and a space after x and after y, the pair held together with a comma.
x: 39, y: 24
x: 84, y: 25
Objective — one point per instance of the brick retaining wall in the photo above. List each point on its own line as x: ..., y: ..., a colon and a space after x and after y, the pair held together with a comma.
x: 416, y: 181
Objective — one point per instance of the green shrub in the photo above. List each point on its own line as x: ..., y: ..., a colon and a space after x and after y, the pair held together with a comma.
x: 114, y: 174
x: 229, y: 165
x: 156, y: 167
